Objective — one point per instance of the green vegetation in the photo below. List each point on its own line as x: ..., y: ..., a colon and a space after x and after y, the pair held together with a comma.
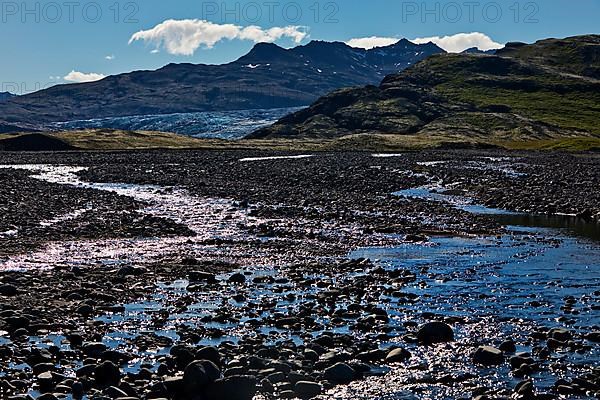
x: 568, y: 144
x: 576, y: 109
x: 546, y: 91
x: 110, y: 140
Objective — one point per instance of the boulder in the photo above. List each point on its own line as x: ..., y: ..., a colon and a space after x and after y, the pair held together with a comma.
x: 307, y: 389
x: 199, y: 374
x: 435, y: 332
x: 560, y: 334
x: 237, y: 278
x: 339, y: 373
x: 237, y: 387
x: 397, y: 355
x: 209, y: 353
x: 8, y: 290
x: 488, y: 355
x: 107, y: 374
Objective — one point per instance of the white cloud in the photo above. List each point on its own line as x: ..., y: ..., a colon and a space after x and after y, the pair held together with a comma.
x: 110, y: 57
x: 371, y: 42
x: 76, y: 76
x: 155, y: 51
x: 184, y: 37
x: 461, y: 41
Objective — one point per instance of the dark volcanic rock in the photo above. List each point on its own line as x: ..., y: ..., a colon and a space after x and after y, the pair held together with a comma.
x: 487, y: 355
x: 107, y: 373
x: 198, y: 374
x: 435, y: 332
x: 237, y: 387
x: 397, y: 355
x: 340, y: 373
x: 307, y: 389
x: 8, y: 290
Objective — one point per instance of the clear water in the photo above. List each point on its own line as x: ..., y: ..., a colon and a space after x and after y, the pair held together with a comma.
x: 568, y: 224
x: 491, y: 282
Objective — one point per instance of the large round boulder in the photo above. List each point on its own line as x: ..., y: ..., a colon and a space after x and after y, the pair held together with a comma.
x: 435, y: 332
x: 199, y: 374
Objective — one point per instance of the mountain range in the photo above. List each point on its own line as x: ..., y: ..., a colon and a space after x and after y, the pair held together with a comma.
x: 268, y: 76
x: 525, y: 91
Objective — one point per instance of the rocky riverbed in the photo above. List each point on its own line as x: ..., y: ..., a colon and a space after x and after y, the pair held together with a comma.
x: 247, y: 274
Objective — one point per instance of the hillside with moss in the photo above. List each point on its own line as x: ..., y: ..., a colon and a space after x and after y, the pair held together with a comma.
x: 545, y: 90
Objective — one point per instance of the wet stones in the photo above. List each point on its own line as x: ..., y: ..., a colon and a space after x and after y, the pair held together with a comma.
x: 488, y: 355
x: 237, y: 387
x: 198, y: 374
x: 202, y: 276
x: 209, y: 353
x: 340, y: 373
x: 107, y: 374
x: 415, y: 238
x: 129, y: 270
x: 46, y: 381
x: 307, y: 389
x: 525, y: 389
x: 435, y: 332
x: 16, y: 322
x: 522, y: 364
x: 85, y: 309
x: 508, y: 346
x: 8, y: 290
x: 593, y: 336
x: 397, y: 355
x: 237, y: 278
x: 183, y: 355
x: 560, y: 334
x: 94, y: 349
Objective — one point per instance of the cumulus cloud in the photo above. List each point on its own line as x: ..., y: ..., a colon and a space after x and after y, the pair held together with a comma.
x: 461, y: 41
x: 109, y: 57
x: 76, y: 76
x: 371, y: 42
x: 184, y: 37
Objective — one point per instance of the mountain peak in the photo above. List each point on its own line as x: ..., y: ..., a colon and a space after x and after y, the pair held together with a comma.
x: 324, y: 43
x: 265, y: 49
x: 261, y: 46
x: 267, y: 76
x: 405, y: 44
x: 264, y: 52
x: 4, y: 96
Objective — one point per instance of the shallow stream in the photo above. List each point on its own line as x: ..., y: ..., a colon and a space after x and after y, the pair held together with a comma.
x: 501, y: 287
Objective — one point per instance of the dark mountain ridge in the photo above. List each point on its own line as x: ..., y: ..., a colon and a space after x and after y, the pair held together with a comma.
x: 5, y: 96
x: 267, y: 77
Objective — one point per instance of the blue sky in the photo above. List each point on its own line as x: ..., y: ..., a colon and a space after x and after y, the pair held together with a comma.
x: 45, y: 42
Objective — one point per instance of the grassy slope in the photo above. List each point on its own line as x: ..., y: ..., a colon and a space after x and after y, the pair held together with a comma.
x: 532, y: 90
x: 124, y: 140
x: 528, y: 93
x: 114, y: 140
